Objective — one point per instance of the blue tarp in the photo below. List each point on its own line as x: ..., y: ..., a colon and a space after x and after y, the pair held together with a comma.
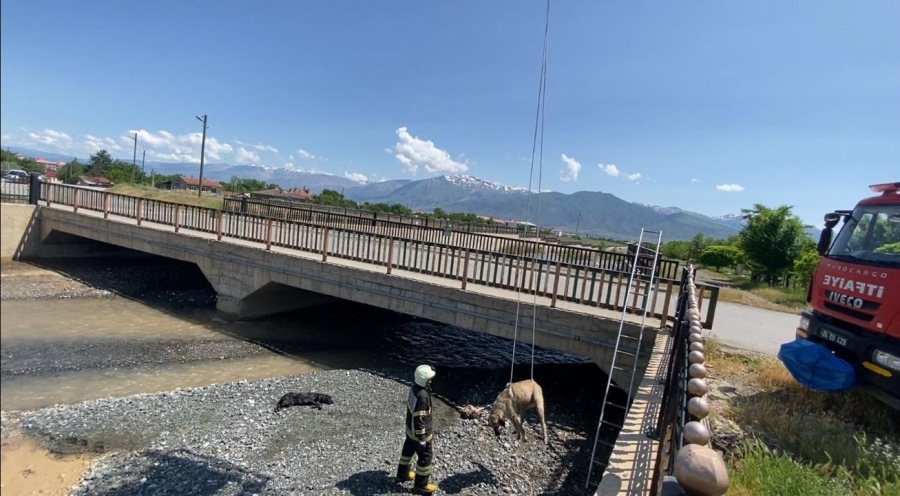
x: 815, y: 367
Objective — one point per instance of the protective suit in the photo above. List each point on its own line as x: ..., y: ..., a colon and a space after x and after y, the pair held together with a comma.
x: 419, y: 433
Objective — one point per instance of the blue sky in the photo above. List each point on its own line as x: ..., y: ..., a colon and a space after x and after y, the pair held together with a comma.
x: 717, y: 105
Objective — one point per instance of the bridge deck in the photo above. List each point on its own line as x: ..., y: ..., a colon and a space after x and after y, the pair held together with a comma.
x: 526, y: 299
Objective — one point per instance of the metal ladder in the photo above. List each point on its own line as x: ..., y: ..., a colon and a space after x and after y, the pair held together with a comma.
x: 647, y: 299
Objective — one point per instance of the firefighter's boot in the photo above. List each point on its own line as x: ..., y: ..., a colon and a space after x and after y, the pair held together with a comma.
x: 404, y: 474
x: 422, y: 486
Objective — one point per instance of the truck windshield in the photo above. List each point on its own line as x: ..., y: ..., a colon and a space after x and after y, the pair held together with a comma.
x: 871, y: 234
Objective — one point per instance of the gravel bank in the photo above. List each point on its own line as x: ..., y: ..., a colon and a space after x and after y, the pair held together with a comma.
x: 36, y: 358
x: 225, y: 439
x: 152, y: 279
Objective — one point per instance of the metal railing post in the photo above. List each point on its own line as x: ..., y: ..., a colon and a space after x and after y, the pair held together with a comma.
x: 390, y: 258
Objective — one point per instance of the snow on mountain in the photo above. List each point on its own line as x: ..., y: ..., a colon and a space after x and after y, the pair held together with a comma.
x: 476, y: 184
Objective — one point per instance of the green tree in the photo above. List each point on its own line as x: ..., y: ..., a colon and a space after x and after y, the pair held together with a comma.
x: 69, y: 173
x: 675, y: 250
x: 696, y: 246
x: 890, y: 248
x: 334, y: 199
x: 805, y: 265
x: 99, y: 163
x: 719, y: 256
x: 239, y: 185
x: 772, y: 238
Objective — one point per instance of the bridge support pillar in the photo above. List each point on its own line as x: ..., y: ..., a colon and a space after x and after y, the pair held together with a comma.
x: 245, y: 293
x: 273, y: 298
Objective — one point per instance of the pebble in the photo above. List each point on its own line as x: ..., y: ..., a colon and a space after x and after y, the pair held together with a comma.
x: 213, y: 440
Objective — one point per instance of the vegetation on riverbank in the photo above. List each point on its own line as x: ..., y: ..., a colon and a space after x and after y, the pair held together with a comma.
x: 183, y: 197
x: 741, y: 289
x: 780, y: 438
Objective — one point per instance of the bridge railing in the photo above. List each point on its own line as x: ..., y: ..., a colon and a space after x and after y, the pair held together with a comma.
x: 293, y: 210
x: 449, y: 232
x: 598, y: 279
x: 685, y: 404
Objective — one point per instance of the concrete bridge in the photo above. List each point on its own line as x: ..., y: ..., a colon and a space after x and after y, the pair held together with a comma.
x: 262, y: 266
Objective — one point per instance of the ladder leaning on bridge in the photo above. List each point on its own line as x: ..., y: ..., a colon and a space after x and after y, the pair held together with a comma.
x: 620, y: 355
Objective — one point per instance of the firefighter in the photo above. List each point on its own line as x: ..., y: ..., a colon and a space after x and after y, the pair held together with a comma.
x: 419, y: 433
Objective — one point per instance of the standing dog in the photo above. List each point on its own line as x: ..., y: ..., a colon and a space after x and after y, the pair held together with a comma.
x: 513, y: 402
x: 300, y: 399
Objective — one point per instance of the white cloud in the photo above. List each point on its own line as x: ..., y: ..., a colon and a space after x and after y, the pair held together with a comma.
x: 610, y: 169
x: 305, y: 154
x: 695, y: 180
x: 356, y: 177
x: 634, y: 177
x: 95, y: 144
x: 413, y: 153
x: 730, y: 187
x: 50, y: 137
x: 291, y: 166
x: 573, y: 168
x: 160, y: 145
x: 260, y: 146
x: 244, y: 156
x: 164, y: 145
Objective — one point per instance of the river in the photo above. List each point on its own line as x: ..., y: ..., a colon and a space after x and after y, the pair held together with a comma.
x: 86, y: 329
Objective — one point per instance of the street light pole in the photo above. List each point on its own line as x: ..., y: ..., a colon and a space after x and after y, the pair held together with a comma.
x: 143, y: 157
x: 134, y: 159
x: 202, y: 152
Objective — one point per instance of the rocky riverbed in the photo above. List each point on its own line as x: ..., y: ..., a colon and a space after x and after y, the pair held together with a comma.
x: 226, y: 439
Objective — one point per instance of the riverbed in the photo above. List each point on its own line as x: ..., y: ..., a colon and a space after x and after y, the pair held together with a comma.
x: 110, y: 368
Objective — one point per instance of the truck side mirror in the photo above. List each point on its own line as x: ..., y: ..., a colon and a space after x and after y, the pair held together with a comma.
x: 824, y: 240
x: 831, y: 220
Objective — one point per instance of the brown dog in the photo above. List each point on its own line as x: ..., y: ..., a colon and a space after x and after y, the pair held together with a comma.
x: 513, y: 402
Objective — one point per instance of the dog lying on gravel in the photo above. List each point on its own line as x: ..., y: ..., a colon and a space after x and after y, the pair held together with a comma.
x: 315, y: 400
x: 512, y: 403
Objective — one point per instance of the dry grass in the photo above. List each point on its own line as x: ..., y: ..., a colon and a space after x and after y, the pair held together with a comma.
x: 767, y: 299
x: 847, y: 442
x: 183, y: 197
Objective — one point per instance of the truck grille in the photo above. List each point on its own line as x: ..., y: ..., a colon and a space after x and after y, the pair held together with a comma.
x: 856, y: 314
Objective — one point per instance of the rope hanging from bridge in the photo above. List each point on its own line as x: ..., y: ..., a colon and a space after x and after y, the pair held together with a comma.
x: 539, y: 150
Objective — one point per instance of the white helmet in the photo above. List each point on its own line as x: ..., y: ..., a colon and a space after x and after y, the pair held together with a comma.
x: 424, y: 373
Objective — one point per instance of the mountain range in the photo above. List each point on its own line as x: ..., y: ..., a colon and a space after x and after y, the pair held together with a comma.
x: 585, y: 212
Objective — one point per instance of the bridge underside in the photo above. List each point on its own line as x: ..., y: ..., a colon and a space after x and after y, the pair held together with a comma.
x: 253, y: 282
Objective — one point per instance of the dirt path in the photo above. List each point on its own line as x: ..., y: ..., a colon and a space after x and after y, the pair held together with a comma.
x: 754, y: 329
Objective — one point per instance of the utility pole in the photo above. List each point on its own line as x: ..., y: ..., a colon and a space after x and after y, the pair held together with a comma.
x: 577, y: 224
x: 202, y: 151
x: 134, y: 159
x: 143, y: 157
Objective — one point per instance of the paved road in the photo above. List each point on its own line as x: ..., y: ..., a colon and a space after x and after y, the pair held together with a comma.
x: 752, y: 328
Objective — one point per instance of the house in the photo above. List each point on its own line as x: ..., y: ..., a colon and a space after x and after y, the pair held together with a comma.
x: 289, y: 195
x: 49, y: 165
x: 192, y: 183
x: 97, y: 182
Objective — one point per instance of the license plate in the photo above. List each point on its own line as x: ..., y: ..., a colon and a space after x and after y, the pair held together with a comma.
x: 833, y: 337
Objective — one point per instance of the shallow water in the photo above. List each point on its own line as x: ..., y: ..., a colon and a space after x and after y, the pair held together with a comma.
x: 72, y: 331
x: 70, y: 350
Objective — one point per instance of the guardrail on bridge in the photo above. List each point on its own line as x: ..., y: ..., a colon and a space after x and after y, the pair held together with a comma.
x: 685, y: 459
x: 583, y: 277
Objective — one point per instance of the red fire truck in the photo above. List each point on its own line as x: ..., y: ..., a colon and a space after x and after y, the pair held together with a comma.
x: 854, y: 295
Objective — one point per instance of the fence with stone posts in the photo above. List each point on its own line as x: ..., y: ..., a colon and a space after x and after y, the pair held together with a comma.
x: 686, y: 464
